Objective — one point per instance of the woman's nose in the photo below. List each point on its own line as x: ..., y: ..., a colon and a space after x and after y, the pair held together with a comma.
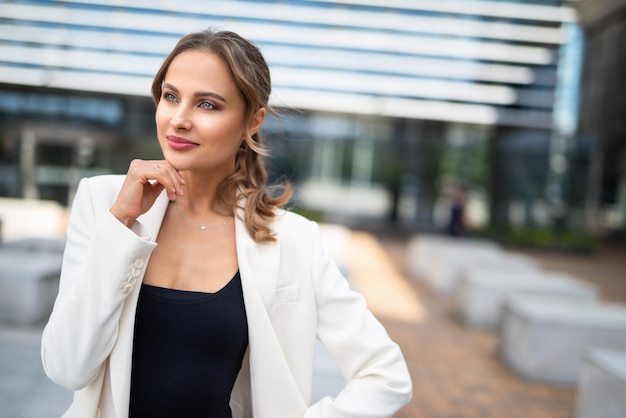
x: 181, y: 119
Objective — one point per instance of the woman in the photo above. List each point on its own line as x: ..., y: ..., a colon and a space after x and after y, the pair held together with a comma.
x: 187, y: 292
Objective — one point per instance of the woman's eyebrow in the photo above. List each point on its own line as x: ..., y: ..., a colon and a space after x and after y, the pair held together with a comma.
x: 210, y: 94
x: 199, y: 94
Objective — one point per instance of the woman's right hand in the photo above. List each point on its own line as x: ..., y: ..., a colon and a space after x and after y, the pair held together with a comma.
x: 144, y: 182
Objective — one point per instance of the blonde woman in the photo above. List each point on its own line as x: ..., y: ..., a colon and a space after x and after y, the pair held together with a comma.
x: 187, y: 292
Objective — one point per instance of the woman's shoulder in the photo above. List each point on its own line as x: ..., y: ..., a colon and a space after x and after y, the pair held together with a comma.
x: 106, y: 181
x: 286, y: 218
x: 103, y: 187
x: 291, y: 227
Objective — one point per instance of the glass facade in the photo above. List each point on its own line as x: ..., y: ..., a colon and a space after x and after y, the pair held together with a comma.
x: 385, y: 106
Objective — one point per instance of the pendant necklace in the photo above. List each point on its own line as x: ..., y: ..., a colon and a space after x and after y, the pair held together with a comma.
x: 195, y: 225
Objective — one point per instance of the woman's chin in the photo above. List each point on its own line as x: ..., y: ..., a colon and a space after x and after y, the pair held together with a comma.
x: 178, y: 164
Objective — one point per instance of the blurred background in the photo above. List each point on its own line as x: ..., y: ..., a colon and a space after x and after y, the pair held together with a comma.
x: 386, y: 106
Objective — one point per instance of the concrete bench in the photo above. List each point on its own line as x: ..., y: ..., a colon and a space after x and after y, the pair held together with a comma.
x: 546, y: 338
x: 421, y: 249
x: 484, y: 290
x: 29, y: 280
x: 602, y: 385
x: 36, y: 244
x: 451, y: 265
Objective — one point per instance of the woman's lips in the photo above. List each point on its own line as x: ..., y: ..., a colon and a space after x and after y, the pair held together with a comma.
x: 178, y: 143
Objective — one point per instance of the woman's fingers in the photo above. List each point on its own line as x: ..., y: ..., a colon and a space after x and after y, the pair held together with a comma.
x: 144, y: 182
x: 170, y: 178
x: 144, y: 172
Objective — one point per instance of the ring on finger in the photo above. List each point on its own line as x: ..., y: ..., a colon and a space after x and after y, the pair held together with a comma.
x: 156, y: 167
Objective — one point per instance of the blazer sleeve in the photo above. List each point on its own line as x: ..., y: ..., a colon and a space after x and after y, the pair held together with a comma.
x: 102, y: 262
x: 378, y: 380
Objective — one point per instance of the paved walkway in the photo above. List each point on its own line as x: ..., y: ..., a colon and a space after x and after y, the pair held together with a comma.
x: 456, y: 371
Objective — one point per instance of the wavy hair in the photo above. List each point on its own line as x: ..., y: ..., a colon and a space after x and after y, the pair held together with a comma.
x: 246, y: 187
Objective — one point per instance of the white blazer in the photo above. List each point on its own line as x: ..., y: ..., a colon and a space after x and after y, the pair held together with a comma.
x: 293, y: 294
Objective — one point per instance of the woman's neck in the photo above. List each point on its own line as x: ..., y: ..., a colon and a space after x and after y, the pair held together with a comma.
x: 200, y: 195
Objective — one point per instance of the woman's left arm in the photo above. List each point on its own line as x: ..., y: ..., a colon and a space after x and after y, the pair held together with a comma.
x: 378, y: 380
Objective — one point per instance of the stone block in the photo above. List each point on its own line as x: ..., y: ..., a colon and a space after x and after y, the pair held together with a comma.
x: 484, y: 290
x: 37, y: 244
x: 602, y: 385
x: 451, y: 265
x: 546, y: 338
x: 29, y: 283
x: 422, y: 248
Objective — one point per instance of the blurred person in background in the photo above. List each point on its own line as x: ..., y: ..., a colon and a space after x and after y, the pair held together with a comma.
x: 456, y: 221
x: 187, y: 291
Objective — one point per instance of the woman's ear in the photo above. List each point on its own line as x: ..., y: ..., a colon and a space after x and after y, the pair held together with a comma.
x: 256, y: 121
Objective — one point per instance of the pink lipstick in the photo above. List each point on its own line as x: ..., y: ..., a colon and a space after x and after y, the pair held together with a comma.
x: 178, y: 143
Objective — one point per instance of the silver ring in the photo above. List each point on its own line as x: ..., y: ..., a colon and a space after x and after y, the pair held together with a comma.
x: 156, y: 167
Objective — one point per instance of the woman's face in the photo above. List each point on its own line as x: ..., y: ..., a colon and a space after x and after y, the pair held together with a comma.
x: 200, y: 116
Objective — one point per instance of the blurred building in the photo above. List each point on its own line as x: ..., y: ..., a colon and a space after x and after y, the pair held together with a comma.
x: 385, y: 104
x: 603, y: 110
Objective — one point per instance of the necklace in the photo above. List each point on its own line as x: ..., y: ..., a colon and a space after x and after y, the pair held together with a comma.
x: 200, y: 227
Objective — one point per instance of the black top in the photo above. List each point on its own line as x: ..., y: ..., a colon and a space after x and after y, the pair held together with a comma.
x: 187, y: 351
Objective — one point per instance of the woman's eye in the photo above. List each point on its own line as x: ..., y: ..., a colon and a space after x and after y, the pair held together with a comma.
x: 169, y: 97
x: 207, y: 105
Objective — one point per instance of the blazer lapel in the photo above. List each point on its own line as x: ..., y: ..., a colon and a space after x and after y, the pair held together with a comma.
x: 264, y: 259
x: 121, y: 355
x: 275, y: 393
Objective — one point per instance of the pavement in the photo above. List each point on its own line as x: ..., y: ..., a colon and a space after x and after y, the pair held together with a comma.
x: 456, y: 371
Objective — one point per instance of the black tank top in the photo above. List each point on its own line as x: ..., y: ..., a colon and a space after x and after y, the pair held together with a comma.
x: 187, y: 351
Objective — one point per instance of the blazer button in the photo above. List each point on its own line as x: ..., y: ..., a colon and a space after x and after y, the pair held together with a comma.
x: 127, y: 289
x: 135, y: 272
x: 131, y: 280
x: 138, y: 263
